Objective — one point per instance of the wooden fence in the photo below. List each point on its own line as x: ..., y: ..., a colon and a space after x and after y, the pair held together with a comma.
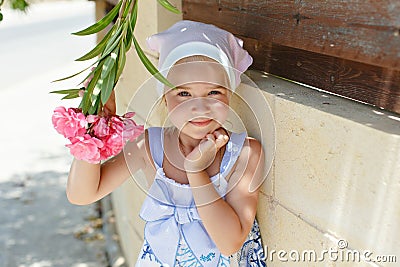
x: 347, y: 47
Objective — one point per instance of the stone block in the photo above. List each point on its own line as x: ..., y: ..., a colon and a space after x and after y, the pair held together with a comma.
x: 290, y: 241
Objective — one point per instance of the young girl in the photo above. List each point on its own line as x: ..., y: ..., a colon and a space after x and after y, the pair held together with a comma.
x: 201, y: 203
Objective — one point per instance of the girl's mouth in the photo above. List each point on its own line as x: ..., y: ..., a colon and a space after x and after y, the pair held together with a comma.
x: 201, y: 123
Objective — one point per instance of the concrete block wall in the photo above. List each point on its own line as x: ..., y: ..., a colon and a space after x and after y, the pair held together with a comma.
x: 127, y: 199
x: 335, y: 175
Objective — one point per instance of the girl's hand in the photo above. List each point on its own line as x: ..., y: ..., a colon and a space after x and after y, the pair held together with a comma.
x: 110, y: 108
x: 204, y: 154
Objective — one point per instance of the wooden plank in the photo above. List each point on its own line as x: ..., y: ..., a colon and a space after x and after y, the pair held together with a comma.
x: 324, y: 44
x: 112, y: 2
x: 362, y: 82
x: 365, y: 31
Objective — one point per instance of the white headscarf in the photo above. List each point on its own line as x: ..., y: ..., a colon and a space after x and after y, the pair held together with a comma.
x: 189, y: 38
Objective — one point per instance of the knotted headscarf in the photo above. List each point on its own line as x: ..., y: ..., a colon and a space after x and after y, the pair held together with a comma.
x: 188, y: 38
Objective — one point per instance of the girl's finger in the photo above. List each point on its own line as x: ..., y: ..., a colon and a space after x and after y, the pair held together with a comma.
x: 218, y: 134
x: 222, y: 131
x: 210, y: 137
x: 81, y: 93
x: 110, y: 107
x: 221, y: 138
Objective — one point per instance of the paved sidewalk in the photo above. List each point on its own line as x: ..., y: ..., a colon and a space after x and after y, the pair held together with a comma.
x: 38, y: 226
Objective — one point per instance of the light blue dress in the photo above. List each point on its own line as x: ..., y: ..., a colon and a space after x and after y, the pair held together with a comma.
x: 174, y: 234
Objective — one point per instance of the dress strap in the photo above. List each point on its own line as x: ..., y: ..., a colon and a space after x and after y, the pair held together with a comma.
x: 232, y: 151
x: 156, y: 143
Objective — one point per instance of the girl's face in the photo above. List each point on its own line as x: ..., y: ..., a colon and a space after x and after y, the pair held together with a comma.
x: 200, y: 103
x: 197, y: 109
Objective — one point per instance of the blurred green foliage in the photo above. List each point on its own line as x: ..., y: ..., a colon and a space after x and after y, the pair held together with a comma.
x: 19, y: 4
x: 15, y: 4
x: 110, y: 53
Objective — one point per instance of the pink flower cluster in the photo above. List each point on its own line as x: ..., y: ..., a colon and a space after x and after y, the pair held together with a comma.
x: 94, y: 138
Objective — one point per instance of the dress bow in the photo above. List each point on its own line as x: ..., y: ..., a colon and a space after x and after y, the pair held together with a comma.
x: 167, y: 222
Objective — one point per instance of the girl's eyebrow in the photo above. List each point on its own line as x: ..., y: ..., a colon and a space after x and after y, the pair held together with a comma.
x: 208, y: 88
x: 182, y: 88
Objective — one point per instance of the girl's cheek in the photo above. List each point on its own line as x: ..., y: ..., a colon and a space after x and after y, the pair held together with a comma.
x: 221, y: 111
x: 178, y: 116
x: 180, y: 113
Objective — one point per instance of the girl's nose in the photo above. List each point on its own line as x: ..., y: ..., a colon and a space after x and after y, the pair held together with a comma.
x: 201, y: 106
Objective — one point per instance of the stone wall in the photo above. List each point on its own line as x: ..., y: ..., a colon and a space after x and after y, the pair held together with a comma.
x: 334, y: 180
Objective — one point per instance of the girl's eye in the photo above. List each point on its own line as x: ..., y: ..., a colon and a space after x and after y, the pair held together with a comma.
x: 214, y: 92
x: 183, y: 93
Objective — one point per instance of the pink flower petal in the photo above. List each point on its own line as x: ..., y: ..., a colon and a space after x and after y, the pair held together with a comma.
x: 69, y: 123
x: 86, y: 148
x: 129, y: 114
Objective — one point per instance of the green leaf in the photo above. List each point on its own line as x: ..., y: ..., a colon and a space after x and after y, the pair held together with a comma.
x: 88, y: 76
x: 108, y: 85
x: 95, y: 94
x: 131, y: 28
x: 101, y: 24
x: 149, y: 66
x: 112, y: 43
x: 86, y: 100
x: 71, y: 96
x: 73, y: 75
x: 134, y: 17
x: 66, y: 91
x: 121, y: 61
x: 168, y: 6
x: 96, y: 106
x: 126, y: 8
x: 98, y: 49
x: 109, y: 63
x: 128, y: 39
